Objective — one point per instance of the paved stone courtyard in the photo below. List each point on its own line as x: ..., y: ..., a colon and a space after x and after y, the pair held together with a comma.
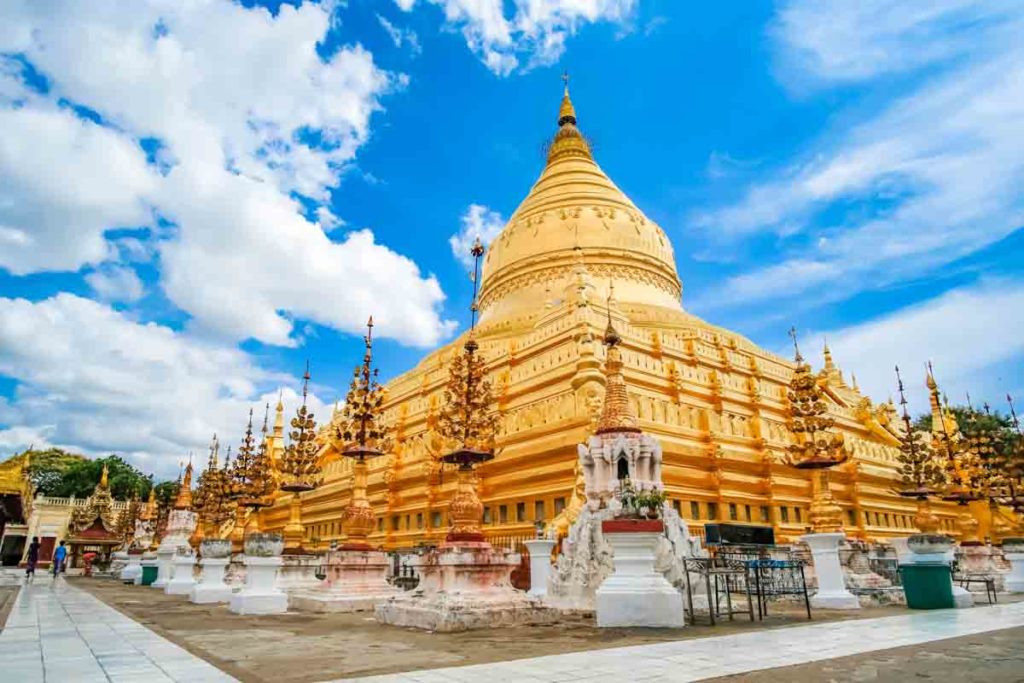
x: 56, y: 631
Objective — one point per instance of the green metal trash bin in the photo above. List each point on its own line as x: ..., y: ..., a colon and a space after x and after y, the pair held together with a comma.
x: 149, y: 574
x: 927, y: 586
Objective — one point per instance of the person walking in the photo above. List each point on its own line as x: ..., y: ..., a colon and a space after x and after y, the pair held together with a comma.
x: 58, y: 559
x: 33, y: 558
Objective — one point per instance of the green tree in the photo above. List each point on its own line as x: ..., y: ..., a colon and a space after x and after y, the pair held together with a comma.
x: 47, y: 468
x: 80, y: 479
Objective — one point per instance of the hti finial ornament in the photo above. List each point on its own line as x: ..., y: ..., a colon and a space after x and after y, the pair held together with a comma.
x: 796, y: 346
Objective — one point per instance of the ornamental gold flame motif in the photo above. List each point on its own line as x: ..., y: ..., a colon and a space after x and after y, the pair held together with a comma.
x: 921, y: 474
x: 360, y: 433
x: 211, y: 500
x: 251, y: 478
x: 299, y: 465
x: 360, y: 425
x: 817, y: 446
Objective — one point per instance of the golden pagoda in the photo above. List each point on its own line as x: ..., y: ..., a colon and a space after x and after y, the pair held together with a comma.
x: 715, y: 401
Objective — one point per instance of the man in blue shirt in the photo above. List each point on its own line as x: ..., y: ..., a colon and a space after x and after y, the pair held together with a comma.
x: 58, y: 558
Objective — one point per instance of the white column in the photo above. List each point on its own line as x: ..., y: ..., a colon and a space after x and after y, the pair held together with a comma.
x: 832, y: 593
x: 540, y: 565
x: 635, y: 594
x: 1015, y: 579
x: 181, y: 578
x: 211, y: 586
x: 164, y: 566
x: 260, y: 595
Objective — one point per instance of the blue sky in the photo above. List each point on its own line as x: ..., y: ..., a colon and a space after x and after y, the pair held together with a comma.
x: 195, y: 200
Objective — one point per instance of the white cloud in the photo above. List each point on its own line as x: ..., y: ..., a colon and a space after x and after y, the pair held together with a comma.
x: 116, y: 283
x: 940, y: 168
x: 477, y: 222
x: 63, y: 183
x: 91, y: 379
x: 400, y: 36
x: 536, y: 30
x: 965, y: 332
x: 247, y: 115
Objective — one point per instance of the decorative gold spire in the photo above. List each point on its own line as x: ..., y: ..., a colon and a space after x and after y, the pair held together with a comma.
x: 299, y: 464
x: 616, y: 414
x: 816, y: 445
x: 105, y: 477
x: 184, y: 499
x: 568, y: 141
x: 360, y: 433
x: 920, y: 472
x: 467, y: 417
x: 566, y: 113
x: 250, y: 475
x: 829, y: 364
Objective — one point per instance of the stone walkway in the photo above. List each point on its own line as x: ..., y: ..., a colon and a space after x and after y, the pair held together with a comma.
x: 700, y: 658
x: 58, y: 633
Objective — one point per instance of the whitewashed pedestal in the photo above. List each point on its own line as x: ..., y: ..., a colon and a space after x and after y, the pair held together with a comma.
x: 540, y: 565
x: 635, y: 594
x: 211, y: 587
x: 355, y: 581
x: 164, y: 566
x: 1013, y: 551
x: 260, y: 595
x: 182, y: 579
x: 133, y: 570
x: 832, y: 593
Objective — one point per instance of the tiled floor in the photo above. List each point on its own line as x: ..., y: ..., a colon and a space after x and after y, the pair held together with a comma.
x: 691, y: 660
x: 59, y: 633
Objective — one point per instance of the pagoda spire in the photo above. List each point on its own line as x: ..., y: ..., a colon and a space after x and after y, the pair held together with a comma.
x: 184, y: 500
x: 568, y: 141
x: 566, y: 113
x: 827, y: 352
x: 616, y: 414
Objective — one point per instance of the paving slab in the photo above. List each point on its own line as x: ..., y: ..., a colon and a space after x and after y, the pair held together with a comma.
x: 56, y: 632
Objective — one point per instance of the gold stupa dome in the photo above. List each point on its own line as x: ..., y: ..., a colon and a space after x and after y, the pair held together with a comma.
x: 575, y: 208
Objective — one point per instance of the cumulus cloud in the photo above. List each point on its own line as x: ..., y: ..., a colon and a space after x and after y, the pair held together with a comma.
x: 535, y: 31
x: 90, y: 378
x: 478, y: 222
x: 933, y: 175
x: 116, y: 283
x: 227, y: 124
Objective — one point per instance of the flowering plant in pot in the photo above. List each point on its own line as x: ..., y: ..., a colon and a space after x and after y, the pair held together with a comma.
x: 649, y: 503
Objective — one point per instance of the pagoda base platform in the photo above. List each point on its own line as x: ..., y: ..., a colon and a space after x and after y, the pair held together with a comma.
x: 298, y: 572
x: 182, y: 578
x: 260, y: 595
x: 465, y: 586
x: 211, y: 587
x: 355, y: 581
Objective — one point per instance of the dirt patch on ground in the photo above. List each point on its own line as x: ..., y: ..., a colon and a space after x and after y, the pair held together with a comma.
x: 297, y: 648
x: 993, y: 657
x: 7, y: 596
